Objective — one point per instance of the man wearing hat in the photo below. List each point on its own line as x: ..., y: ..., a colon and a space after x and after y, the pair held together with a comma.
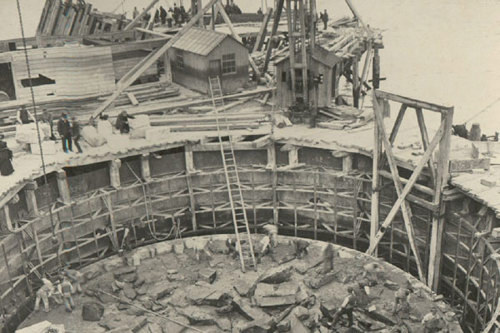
x: 64, y: 129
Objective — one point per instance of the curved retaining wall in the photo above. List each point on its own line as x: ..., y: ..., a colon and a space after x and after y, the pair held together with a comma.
x: 311, y: 194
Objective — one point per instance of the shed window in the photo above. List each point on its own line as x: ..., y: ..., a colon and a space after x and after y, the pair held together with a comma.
x: 179, y: 59
x: 228, y: 63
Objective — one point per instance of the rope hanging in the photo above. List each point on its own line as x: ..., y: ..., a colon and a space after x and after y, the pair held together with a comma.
x: 34, y: 109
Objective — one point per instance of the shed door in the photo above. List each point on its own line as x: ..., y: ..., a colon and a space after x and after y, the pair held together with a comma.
x: 214, y: 68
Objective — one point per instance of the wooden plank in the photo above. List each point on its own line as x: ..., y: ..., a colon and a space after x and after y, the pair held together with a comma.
x: 441, y: 180
x: 276, y: 21
x: 154, y: 33
x: 154, y: 56
x: 374, y: 214
x: 425, y: 141
x: 262, y: 32
x: 414, y: 103
x: 139, y: 17
x: 397, y: 123
x: 132, y: 98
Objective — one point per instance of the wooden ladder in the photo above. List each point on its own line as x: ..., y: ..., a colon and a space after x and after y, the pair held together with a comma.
x: 240, y: 220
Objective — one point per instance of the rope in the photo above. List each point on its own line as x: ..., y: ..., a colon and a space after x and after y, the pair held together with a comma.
x: 483, y: 110
x: 34, y: 109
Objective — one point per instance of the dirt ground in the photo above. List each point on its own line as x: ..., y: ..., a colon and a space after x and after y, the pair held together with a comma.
x: 214, y: 295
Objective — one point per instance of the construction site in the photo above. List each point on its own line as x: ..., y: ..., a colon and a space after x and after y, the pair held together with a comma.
x: 259, y: 185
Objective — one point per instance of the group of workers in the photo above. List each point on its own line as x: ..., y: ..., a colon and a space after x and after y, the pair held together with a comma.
x: 175, y: 15
x: 62, y: 292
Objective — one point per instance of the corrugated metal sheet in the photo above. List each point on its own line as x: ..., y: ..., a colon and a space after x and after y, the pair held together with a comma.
x: 199, y: 41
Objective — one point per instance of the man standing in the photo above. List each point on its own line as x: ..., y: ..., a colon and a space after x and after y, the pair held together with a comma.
x: 325, y: 20
x: 6, y: 167
x: 135, y: 13
x: 49, y: 120
x: 163, y: 15
x: 347, y: 307
x: 24, y: 116
x: 43, y: 295
x: 75, y: 131
x: 66, y: 289
x: 64, y: 129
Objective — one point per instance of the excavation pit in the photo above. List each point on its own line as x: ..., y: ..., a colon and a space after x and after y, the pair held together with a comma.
x: 164, y: 280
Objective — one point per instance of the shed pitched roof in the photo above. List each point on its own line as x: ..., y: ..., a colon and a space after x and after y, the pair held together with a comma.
x: 199, y: 41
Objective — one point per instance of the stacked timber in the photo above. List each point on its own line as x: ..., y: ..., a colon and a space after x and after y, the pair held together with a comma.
x: 77, y: 18
x: 347, y: 41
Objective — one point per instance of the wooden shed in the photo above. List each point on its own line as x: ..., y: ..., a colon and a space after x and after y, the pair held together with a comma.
x: 200, y: 54
x: 57, y: 72
x: 322, y: 62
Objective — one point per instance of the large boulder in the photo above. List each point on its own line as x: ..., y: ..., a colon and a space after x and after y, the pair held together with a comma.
x: 92, y: 311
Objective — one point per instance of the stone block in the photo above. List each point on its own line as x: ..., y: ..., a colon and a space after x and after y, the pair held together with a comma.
x: 244, y: 307
x: 129, y: 292
x: 163, y: 248
x: 124, y: 271
x: 321, y: 280
x: 208, y: 275
x: 277, y: 275
x: 92, y: 311
x: 161, y: 289
x: 178, y: 248
x: 242, y: 287
x: 196, y: 316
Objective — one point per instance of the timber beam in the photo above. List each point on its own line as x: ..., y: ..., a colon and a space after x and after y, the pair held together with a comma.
x: 62, y: 185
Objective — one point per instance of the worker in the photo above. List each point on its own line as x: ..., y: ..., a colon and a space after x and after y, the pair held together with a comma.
x: 75, y: 277
x: 184, y: 14
x: 401, y: 302
x: 232, y: 247
x: 347, y: 307
x: 265, y: 247
x: 122, y: 122
x: 259, y: 11
x: 157, y: 16
x: 362, y: 292
x: 301, y: 248
x: 328, y: 258
x: 324, y: 18
x: 163, y: 15
x: 75, y: 132
x: 432, y: 321
x: 24, y: 116
x: 135, y: 13
x: 48, y: 119
x: 64, y: 129
x: 272, y: 232
x: 66, y: 289
x: 43, y: 294
x: 202, y: 247
x: 372, y: 272
x: 6, y: 167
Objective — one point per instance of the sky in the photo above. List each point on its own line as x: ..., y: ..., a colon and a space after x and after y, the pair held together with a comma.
x: 443, y: 51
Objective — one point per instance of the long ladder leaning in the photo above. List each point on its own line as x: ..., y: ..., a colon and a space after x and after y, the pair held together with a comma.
x: 240, y: 220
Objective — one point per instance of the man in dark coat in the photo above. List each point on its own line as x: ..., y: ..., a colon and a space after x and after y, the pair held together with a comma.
x: 64, y: 129
x: 163, y: 15
x: 5, y: 159
x: 122, y: 122
x: 75, y: 131
x: 325, y: 20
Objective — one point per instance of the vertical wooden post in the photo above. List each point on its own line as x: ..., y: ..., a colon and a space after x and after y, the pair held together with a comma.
x: 438, y: 218
x: 29, y: 191
x: 271, y: 161
x: 62, y: 185
x: 376, y: 69
x: 145, y: 167
x: 114, y: 236
x: 355, y: 81
x: 188, y: 156
x: 6, y: 212
x: 315, y: 199
x: 291, y: 39
x: 374, y: 214
x: 347, y: 163
x: 293, y: 156
x: 114, y: 173
x: 199, y: 9
x: 168, y: 67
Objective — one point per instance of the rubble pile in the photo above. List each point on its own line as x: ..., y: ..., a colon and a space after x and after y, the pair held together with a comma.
x: 166, y: 288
